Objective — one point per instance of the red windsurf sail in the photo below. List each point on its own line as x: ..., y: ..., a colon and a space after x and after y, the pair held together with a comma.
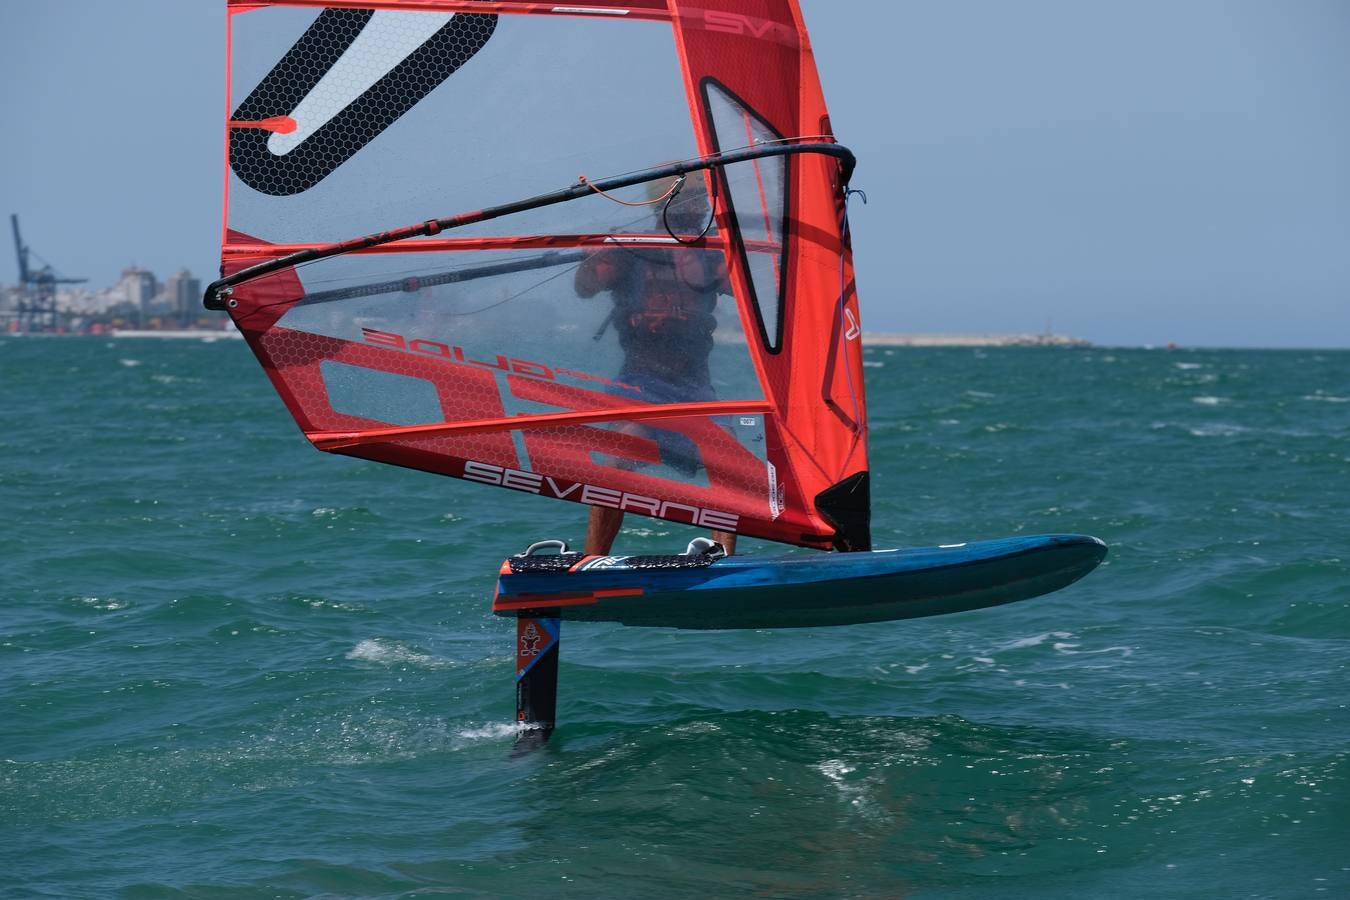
x: 665, y: 323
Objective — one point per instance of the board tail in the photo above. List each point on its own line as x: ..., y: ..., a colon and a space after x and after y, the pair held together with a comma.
x: 537, y: 640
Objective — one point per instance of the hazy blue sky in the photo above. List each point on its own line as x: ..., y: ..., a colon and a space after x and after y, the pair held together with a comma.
x: 1134, y: 173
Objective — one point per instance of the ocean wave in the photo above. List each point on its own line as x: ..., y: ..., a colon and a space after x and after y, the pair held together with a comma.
x: 102, y: 604
x: 491, y: 732
x: 394, y: 653
x: 1218, y: 429
x: 1036, y: 640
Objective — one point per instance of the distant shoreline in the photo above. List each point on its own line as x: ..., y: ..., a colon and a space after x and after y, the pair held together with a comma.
x: 888, y: 339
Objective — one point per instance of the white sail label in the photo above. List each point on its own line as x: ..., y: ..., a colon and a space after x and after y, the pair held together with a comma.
x: 777, y: 502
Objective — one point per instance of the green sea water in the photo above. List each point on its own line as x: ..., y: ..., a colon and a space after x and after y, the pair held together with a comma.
x: 232, y: 666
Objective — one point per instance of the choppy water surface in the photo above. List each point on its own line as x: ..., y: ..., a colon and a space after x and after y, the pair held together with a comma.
x: 233, y: 666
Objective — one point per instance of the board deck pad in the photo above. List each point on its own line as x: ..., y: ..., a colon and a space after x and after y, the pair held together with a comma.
x: 794, y: 591
x: 563, y: 562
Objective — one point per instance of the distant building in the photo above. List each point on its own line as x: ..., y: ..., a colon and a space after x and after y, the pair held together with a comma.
x: 183, y: 294
x: 139, y: 286
x: 9, y: 307
x: 138, y: 300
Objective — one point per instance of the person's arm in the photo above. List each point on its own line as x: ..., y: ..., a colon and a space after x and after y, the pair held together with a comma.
x: 722, y: 279
x: 597, y: 272
x: 703, y: 270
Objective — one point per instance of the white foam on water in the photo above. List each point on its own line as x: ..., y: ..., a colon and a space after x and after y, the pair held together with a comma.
x: 1325, y: 398
x: 1185, y: 366
x: 1210, y: 401
x: 392, y: 653
x: 1036, y: 640
x: 493, y: 731
x: 1072, y: 650
x: 1217, y: 430
x: 321, y: 603
x: 858, y: 793
x: 645, y: 532
x: 834, y: 769
x: 130, y: 363
x: 105, y: 604
x: 615, y: 754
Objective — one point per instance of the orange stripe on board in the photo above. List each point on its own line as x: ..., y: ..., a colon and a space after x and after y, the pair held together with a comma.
x: 583, y: 561
x: 549, y: 601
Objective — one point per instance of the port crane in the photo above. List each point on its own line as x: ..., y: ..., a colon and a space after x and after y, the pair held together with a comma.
x: 37, y: 302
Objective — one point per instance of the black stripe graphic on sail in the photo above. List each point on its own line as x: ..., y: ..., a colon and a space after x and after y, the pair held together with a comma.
x: 362, y: 120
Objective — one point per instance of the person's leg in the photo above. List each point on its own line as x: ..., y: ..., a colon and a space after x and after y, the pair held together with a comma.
x: 727, y: 539
x: 602, y: 528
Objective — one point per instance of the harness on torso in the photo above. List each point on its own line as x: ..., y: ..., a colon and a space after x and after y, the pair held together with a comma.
x: 664, y: 312
x: 671, y: 292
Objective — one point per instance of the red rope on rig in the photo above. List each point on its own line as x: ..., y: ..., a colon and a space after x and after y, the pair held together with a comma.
x: 674, y: 186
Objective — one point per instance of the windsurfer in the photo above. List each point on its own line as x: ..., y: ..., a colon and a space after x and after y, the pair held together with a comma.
x: 663, y: 313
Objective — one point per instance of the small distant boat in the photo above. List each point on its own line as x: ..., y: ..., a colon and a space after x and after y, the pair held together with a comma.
x: 466, y: 344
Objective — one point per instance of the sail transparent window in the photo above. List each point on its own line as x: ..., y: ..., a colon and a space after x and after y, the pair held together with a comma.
x: 758, y: 203
x: 431, y: 337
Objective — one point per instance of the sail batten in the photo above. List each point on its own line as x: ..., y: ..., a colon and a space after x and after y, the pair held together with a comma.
x: 679, y: 340
x: 336, y: 440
